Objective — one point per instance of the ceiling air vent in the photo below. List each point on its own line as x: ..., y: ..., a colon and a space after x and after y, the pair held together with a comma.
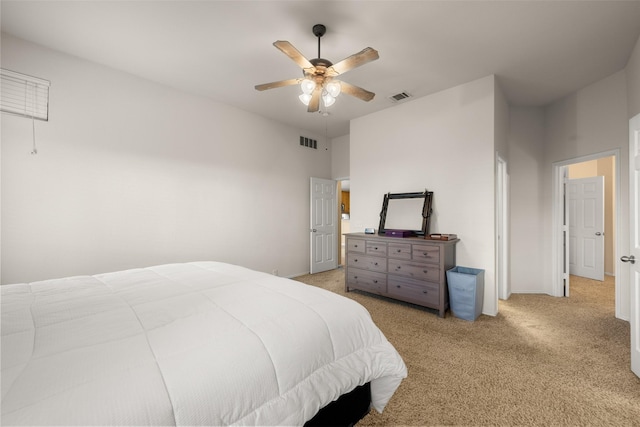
x: 398, y: 97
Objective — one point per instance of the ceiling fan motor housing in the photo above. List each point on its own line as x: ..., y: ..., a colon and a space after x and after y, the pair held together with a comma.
x: 318, y: 74
x: 319, y: 30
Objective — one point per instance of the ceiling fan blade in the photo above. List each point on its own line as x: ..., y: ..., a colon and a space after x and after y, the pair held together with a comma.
x: 280, y: 83
x: 293, y: 53
x: 356, y: 91
x: 314, y: 103
x: 357, y: 59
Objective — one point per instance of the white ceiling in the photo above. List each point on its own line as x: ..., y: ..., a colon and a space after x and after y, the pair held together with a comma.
x: 540, y: 50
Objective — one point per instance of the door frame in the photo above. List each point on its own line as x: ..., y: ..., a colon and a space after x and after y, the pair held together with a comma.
x: 634, y: 270
x: 560, y: 251
x: 502, y: 228
x: 339, y: 220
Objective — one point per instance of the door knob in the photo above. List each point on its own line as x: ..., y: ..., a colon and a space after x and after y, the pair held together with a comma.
x: 599, y: 234
x: 630, y: 259
x: 313, y: 230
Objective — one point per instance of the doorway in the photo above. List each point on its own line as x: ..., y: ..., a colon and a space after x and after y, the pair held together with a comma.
x: 344, y: 208
x: 603, y: 164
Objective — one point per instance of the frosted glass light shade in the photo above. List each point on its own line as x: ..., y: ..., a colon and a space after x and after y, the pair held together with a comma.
x: 307, y: 86
x: 305, y: 98
x: 333, y: 88
x: 328, y: 100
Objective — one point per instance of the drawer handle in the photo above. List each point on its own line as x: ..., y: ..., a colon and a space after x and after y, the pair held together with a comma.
x: 398, y: 286
x: 426, y: 254
x: 355, y: 277
x: 424, y: 292
x: 399, y: 250
x: 398, y: 268
x: 375, y: 249
x: 355, y: 260
x: 425, y: 271
x: 355, y: 246
x: 375, y: 263
x: 375, y: 281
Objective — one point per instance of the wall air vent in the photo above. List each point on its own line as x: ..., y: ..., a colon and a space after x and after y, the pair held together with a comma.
x: 308, y: 142
x: 398, y: 97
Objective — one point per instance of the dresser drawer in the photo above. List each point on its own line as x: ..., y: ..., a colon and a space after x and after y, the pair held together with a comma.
x: 426, y: 253
x: 415, y: 270
x: 377, y: 248
x: 399, y: 250
x: 413, y: 291
x: 367, y: 280
x: 367, y: 262
x: 356, y: 245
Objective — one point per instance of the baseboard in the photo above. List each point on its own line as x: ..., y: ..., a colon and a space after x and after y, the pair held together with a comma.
x: 296, y: 275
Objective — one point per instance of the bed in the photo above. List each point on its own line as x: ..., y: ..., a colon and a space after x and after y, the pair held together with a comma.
x: 201, y: 343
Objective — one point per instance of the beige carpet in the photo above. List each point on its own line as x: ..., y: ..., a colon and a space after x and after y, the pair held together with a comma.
x: 542, y: 361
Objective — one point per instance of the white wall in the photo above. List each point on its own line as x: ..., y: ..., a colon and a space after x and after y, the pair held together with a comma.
x: 632, y: 72
x: 340, y: 157
x: 501, y: 123
x: 526, y: 166
x: 131, y: 173
x: 443, y: 142
x: 590, y: 121
x: 501, y: 142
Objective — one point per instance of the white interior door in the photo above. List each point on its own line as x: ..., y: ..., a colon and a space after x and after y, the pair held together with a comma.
x: 585, y: 197
x: 633, y: 259
x: 324, y: 227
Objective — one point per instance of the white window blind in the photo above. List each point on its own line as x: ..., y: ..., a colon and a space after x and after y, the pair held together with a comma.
x: 24, y: 95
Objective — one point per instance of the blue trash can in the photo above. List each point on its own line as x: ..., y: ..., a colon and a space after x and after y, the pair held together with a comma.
x: 466, y: 292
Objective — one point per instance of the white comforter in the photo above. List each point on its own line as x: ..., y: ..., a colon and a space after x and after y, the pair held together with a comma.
x: 202, y: 343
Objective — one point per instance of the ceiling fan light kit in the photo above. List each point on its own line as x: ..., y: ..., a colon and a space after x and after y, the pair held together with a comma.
x: 319, y: 74
x: 308, y: 86
x: 333, y: 88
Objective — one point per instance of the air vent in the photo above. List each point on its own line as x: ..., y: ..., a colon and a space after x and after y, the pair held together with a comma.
x: 400, y: 96
x: 308, y: 142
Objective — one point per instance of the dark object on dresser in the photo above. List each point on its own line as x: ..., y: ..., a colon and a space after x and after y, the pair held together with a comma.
x: 399, y: 233
x: 412, y: 269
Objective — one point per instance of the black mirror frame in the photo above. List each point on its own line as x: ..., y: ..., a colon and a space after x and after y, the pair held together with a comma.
x: 426, y: 210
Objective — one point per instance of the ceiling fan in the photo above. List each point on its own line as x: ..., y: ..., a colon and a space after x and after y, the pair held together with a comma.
x: 319, y: 74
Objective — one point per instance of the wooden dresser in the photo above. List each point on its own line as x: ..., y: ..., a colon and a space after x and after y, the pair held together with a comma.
x: 409, y: 269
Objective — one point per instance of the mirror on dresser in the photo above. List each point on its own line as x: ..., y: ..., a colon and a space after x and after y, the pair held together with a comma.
x: 409, y: 212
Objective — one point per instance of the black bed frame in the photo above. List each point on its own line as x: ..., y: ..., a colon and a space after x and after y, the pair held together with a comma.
x: 346, y: 411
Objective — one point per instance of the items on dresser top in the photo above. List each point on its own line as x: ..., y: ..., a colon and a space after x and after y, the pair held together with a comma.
x: 439, y: 236
x: 412, y: 269
x: 399, y: 233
